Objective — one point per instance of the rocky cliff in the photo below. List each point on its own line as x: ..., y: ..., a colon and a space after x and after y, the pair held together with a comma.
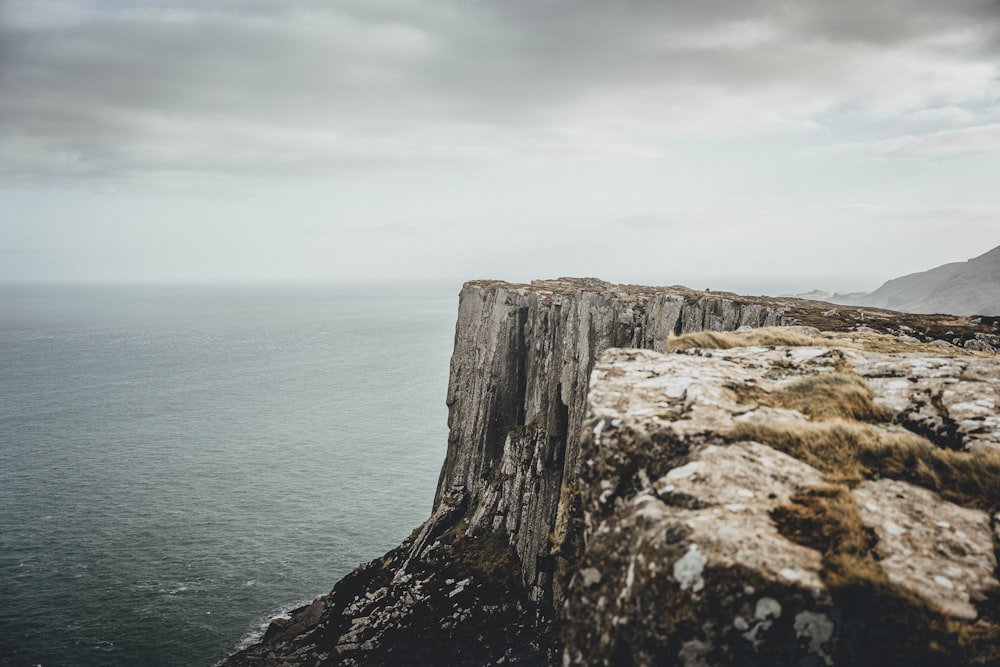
x: 517, y: 562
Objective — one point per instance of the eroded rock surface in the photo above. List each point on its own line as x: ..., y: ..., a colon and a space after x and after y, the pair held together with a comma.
x: 692, y: 556
x: 934, y: 548
x: 953, y: 401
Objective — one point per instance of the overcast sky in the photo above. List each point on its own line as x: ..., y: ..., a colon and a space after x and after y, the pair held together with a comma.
x: 739, y: 144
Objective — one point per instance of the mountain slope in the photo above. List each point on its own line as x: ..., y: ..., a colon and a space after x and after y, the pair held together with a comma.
x: 959, y: 288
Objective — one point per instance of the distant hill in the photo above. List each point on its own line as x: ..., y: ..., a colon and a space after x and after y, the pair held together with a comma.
x: 960, y: 288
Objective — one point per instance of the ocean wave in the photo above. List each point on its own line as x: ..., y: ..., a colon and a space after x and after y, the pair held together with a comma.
x: 255, y: 634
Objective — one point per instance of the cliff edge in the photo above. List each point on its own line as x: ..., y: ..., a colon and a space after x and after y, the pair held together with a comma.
x: 535, y: 552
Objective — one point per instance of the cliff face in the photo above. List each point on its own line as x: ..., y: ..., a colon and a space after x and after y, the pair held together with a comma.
x: 518, y: 390
x: 484, y: 579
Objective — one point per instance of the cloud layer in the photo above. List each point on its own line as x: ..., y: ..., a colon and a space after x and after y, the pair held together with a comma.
x: 117, y: 91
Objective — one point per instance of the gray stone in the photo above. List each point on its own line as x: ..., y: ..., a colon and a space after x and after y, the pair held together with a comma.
x: 932, y: 547
x: 951, y: 400
x: 696, y: 545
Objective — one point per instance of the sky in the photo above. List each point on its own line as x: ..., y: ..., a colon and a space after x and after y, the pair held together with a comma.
x: 750, y: 145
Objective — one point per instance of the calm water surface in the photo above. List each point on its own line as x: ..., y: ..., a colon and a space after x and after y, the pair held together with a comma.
x: 177, y: 464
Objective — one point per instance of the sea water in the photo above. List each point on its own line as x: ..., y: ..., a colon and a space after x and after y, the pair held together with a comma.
x: 179, y: 464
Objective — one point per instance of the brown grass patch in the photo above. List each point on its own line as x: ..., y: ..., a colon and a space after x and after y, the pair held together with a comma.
x: 831, y: 395
x: 763, y: 337
x: 828, y: 395
x: 832, y: 447
x: 826, y: 519
x: 971, y: 479
x: 847, y: 452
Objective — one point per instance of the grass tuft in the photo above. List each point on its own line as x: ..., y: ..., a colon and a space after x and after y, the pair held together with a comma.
x: 831, y: 395
x: 831, y: 447
x: 847, y: 452
x: 971, y: 479
x: 763, y: 337
x: 826, y: 518
x: 889, y: 624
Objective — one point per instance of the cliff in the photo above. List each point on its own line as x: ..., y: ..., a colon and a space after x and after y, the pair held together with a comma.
x: 487, y: 577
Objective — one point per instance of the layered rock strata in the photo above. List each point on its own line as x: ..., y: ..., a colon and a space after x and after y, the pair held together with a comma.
x: 483, y: 581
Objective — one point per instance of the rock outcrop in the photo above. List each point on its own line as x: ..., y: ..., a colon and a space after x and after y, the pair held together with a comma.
x: 536, y: 552
x: 724, y: 526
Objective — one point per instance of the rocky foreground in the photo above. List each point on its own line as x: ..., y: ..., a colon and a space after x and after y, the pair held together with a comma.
x: 820, y: 488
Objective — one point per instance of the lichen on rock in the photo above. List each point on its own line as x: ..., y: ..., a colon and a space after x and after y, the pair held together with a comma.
x: 742, y: 553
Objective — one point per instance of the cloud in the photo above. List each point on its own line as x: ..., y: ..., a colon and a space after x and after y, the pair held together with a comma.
x: 956, y: 214
x: 97, y: 90
x: 979, y: 139
x: 944, y: 143
x: 950, y: 115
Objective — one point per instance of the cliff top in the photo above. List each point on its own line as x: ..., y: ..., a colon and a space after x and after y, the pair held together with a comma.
x: 806, y: 312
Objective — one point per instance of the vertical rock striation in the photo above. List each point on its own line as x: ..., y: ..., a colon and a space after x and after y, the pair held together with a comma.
x: 518, y: 388
x: 479, y: 582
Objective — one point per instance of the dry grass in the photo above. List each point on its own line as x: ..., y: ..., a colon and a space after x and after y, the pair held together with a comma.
x: 826, y: 519
x: 821, y: 396
x: 832, y: 447
x: 847, y: 441
x: 831, y: 395
x: 847, y: 452
x: 878, y: 342
x: 891, y: 624
x: 965, y: 478
x: 763, y: 337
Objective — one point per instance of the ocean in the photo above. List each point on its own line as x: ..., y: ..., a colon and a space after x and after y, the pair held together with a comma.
x: 180, y: 463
